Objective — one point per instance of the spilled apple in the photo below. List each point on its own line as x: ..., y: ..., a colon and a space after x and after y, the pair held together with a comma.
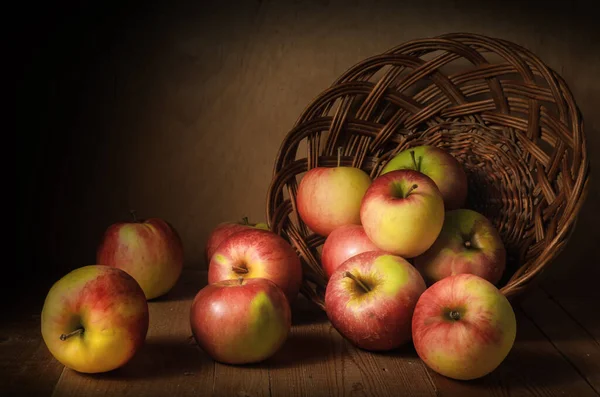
x: 370, y: 300
x: 149, y: 250
x: 256, y: 253
x: 342, y: 244
x: 225, y: 229
x: 240, y: 321
x: 468, y: 243
x: 94, y: 319
x: 463, y: 327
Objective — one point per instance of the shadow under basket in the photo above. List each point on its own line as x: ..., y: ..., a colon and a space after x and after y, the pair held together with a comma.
x: 509, y: 119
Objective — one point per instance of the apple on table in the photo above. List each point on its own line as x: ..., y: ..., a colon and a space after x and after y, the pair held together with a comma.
x: 370, y: 300
x: 440, y: 166
x: 256, y: 253
x: 463, y: 327
x: 225, y: 229
x: 94, y: 319
x: 403, y: 212
x: 330, y: 197
x: 468, y: 243
x: 150, y: 250
x: 342, y: 244
x: 240, y: 321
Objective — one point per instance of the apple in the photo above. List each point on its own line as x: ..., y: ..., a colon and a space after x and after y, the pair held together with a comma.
x: 149, y: 250
x: 342, y: 244
x: 468, y: 243
x: 226, y: 229
x: 240, y: 321
x: 330, y: 197
x: 403, y: 212
x: 256, y: 253
x: 440, y: 166
x: 94, y: 319
x: 463, y: 327
x: 370, y: 300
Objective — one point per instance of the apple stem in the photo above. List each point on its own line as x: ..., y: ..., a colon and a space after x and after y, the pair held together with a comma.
x: 454, y: 315
x: 413, y: 187
x: 415, y: 164
x: 245, y: 221
x: 241, y: 280
x: 339, y: 157
x: 238, y: 269
x: 353, y: 277
x: 132, y: 212
x: 67, y: 336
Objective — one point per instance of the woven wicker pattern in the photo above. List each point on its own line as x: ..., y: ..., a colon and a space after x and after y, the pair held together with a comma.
x: 509, y: 119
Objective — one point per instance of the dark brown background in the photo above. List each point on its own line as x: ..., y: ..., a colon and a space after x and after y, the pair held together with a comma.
x: 178, y: 110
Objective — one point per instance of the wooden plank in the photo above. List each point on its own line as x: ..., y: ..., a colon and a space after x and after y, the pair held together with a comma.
x: 532, y: 368
x: 318, y: 361
x: 577, y: 345
x: 27, y: 367
x: 579, y: 299
x: 169, y: 362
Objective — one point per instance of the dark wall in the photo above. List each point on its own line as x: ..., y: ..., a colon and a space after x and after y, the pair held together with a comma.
x: 178, y: 109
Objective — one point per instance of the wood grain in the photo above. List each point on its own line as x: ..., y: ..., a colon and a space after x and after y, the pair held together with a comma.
x: 169, y: 362
x: 533, y: 368
x: 577, y: 345
x: 318, y: 361
x: 26, y: 367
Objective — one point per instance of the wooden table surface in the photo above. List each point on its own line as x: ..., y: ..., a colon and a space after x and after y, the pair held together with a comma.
x: 557, y: 353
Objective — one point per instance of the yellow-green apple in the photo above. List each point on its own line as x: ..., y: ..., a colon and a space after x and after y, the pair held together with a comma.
x: 257, y: 253
x: 468, y: 243
x: 226, y: 229
x: 440, y: 166
x: 94, y: 319
x: 150, y: 250
x: 342, y: 244
x: 463, y: 327
x: 370, y: 300
x: 330, y: 197
x: 240, y: 321
x: 403, y: 212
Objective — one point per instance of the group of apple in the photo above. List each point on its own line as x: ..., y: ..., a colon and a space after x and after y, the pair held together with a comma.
x: 404, y: 261
x: 445, y: 299
x: 96, y: 317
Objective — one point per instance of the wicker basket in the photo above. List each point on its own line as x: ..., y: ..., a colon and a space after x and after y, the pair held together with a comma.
x: 508, y: 118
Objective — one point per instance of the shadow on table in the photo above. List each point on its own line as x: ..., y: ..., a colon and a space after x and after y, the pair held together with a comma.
x: 161, y: 358
x: 523, y: 371
x: 298, y: 349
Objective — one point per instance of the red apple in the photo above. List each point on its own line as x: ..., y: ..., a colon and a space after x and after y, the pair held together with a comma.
x: 370, y: 300
x: 226, y: 229
x: 328, y: 198
x: 342, y: 244
x: 95, y: 319
x: 440, y: 166
x: 468, y: 243
x: 463, y: 327
x: 256, y: 253
x: 150, y: 250
x: 403, y: 212
x: 240, y: 321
